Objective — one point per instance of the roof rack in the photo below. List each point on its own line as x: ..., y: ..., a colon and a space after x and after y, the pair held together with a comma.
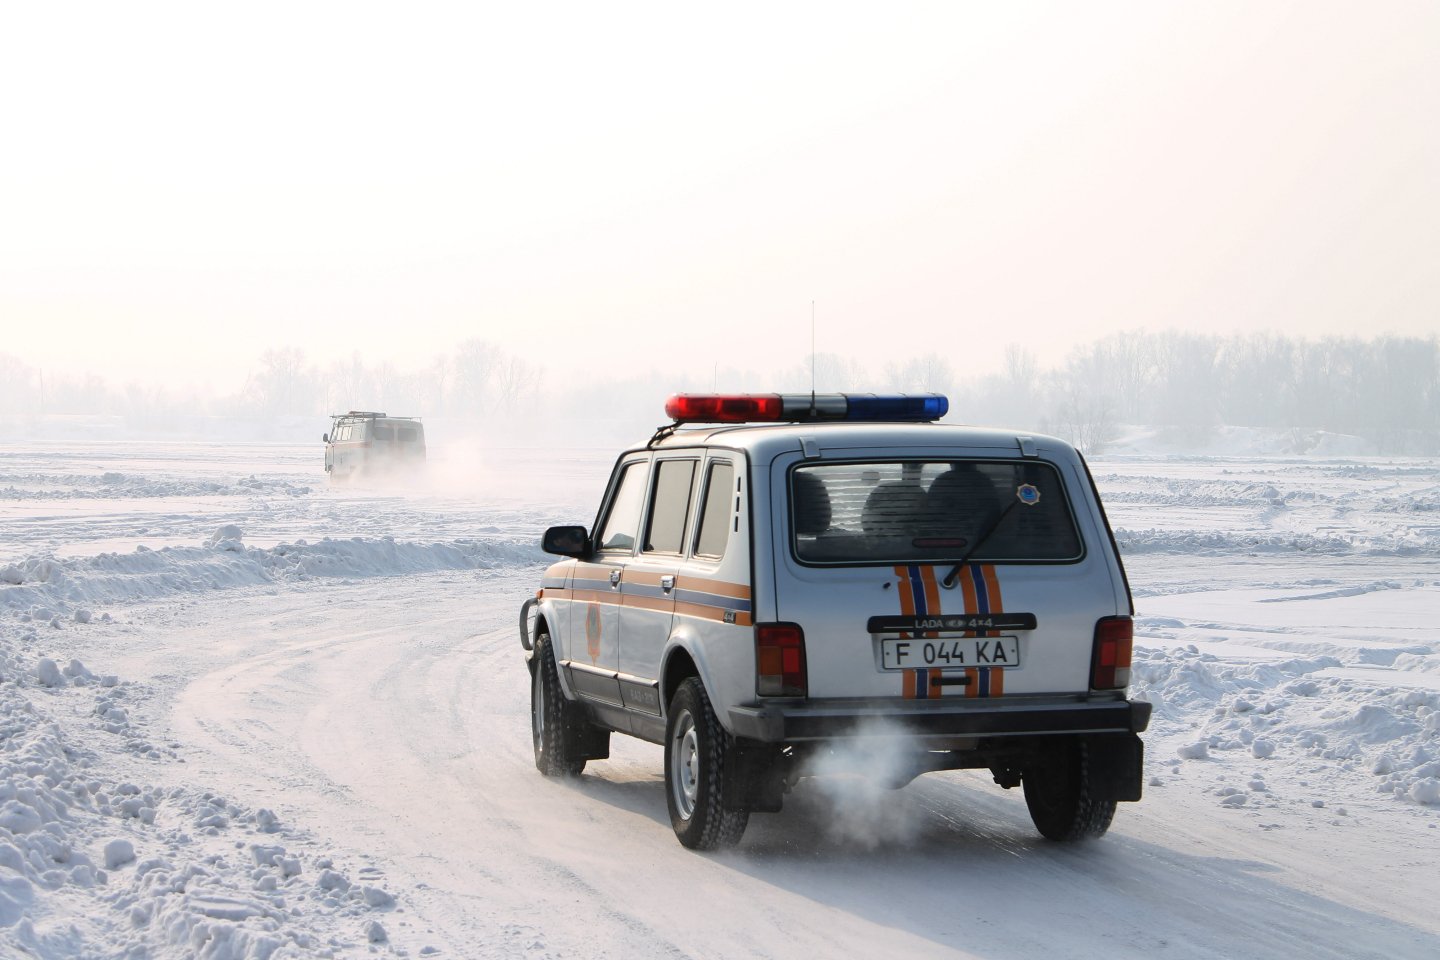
x: 367, y: 415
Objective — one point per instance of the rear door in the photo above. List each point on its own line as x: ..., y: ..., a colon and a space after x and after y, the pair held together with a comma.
x: 648, y: 590
x: 865, y: 544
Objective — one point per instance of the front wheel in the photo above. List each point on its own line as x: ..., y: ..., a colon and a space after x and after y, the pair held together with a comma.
x: 695, y: 749
x: 551, y: 717
x: 1061, y: 795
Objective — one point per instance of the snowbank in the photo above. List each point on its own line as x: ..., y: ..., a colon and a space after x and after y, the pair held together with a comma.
x: 94, y: 860
x: 46, y: 589
x: 114, y: 485
x: 1283, y: 721
x: 96, y: 864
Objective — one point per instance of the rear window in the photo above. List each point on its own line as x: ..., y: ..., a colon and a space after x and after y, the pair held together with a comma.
x: 393, y: 432
x: 715, y: 515
x: 670, y: 506
x: 931, y: 512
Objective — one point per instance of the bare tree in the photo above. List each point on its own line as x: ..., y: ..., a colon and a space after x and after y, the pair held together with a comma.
x: 19, y: 386
x: 350, y: 385
x: 1186, y: 383
x: 437, y: 379
x: 831, y: 373
x: 475, y: 365
x: 515, y: 382
x: 1082, y: 405
x: 925, y: 374
x: 1127, y: 362
x: 284, y: 384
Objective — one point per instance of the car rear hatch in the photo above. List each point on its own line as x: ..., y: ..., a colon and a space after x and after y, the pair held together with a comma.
x: 964, y: 574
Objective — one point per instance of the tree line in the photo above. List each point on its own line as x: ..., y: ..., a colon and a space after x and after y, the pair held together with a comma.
x: 1384, y: 389
x: 475, y: 380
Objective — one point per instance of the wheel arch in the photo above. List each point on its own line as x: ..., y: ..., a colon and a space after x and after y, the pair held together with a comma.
x: 680, y: 664
x: 542, y: 625
x: 547, y: 615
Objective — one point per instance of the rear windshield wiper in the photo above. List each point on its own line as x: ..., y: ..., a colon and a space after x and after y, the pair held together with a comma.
x: 949, y: 580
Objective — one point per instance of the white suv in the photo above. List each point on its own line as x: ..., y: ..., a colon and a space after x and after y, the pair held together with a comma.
x: 815, y: 571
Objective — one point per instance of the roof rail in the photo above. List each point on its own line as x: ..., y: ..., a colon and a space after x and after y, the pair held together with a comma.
x: 367, y: 415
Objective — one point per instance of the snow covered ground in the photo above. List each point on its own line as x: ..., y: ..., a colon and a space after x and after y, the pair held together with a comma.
x: 246, y: 715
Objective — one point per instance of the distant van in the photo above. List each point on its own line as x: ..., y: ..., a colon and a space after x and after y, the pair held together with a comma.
x: 365, y: 444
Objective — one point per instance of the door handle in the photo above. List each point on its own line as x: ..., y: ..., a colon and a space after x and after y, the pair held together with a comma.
x: 667, y: 582
x: 614, y: 578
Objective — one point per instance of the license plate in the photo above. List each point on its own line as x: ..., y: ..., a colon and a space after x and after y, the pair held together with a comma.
x: 950, y: 653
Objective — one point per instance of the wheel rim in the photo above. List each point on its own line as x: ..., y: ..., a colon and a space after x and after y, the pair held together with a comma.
x: 537, y: 707
x: 684, y: 765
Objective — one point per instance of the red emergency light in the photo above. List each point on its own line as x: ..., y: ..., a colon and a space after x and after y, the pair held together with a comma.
x: 795, y: 407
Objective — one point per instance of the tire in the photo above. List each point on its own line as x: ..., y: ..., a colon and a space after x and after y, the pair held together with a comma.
x: 695, y: 749
x: 1060, y: 796
x: 553, y: 719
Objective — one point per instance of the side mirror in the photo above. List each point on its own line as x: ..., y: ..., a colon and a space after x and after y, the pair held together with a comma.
x: 324, y: 438
x: 566, y: 541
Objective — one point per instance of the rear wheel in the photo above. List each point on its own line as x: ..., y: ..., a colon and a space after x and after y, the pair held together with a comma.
x: 553, y: 719
x: 1060, y: 795
x: 695, y: 749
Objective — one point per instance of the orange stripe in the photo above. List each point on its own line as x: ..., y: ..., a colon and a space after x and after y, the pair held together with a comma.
x: 647, y: 603
x: 907, y: 603
x: 909, y: 683
x: 997, y: 682
x: 643, y: 578
x: 972, y: 689
x: 720, y: 588
x: 706, y: 612
x: 932, y: 594
x: 992, y: 591
x: 967, y: 590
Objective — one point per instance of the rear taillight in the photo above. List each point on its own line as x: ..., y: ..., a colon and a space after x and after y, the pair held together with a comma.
x: 779, y: 660
x: 1114, y: 637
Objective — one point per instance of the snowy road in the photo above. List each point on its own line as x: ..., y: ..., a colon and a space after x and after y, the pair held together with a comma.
x: 370, y: 694
x: 409, y: 739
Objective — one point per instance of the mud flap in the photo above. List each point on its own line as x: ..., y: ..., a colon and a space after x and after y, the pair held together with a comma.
x: 754, y: 777
x: 1115, y: 765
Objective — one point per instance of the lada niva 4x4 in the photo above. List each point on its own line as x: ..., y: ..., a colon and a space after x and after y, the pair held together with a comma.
x: 804, y: 574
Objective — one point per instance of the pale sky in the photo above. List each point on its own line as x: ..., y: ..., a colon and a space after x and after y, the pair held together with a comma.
x: 607, y: 186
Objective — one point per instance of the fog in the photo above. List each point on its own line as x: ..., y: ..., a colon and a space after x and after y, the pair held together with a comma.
x: 547, y: 218
x: 1384, y: 391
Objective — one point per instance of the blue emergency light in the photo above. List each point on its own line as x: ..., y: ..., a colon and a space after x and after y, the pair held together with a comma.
x: 792, y: 407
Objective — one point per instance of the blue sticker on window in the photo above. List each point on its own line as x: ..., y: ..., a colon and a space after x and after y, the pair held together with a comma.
x: 1028, y: 494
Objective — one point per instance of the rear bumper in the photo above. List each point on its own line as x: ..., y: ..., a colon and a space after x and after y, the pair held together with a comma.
x: 809, y: 720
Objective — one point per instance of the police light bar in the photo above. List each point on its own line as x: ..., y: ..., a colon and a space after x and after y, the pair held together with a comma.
x: 782, y: 407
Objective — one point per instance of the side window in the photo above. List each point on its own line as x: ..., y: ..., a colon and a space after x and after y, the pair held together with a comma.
x: 670, y: 506
x: 618, y: 531
x: 715, y: 512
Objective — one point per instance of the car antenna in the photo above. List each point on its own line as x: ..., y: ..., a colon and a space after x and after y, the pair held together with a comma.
x: 812, y: 358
